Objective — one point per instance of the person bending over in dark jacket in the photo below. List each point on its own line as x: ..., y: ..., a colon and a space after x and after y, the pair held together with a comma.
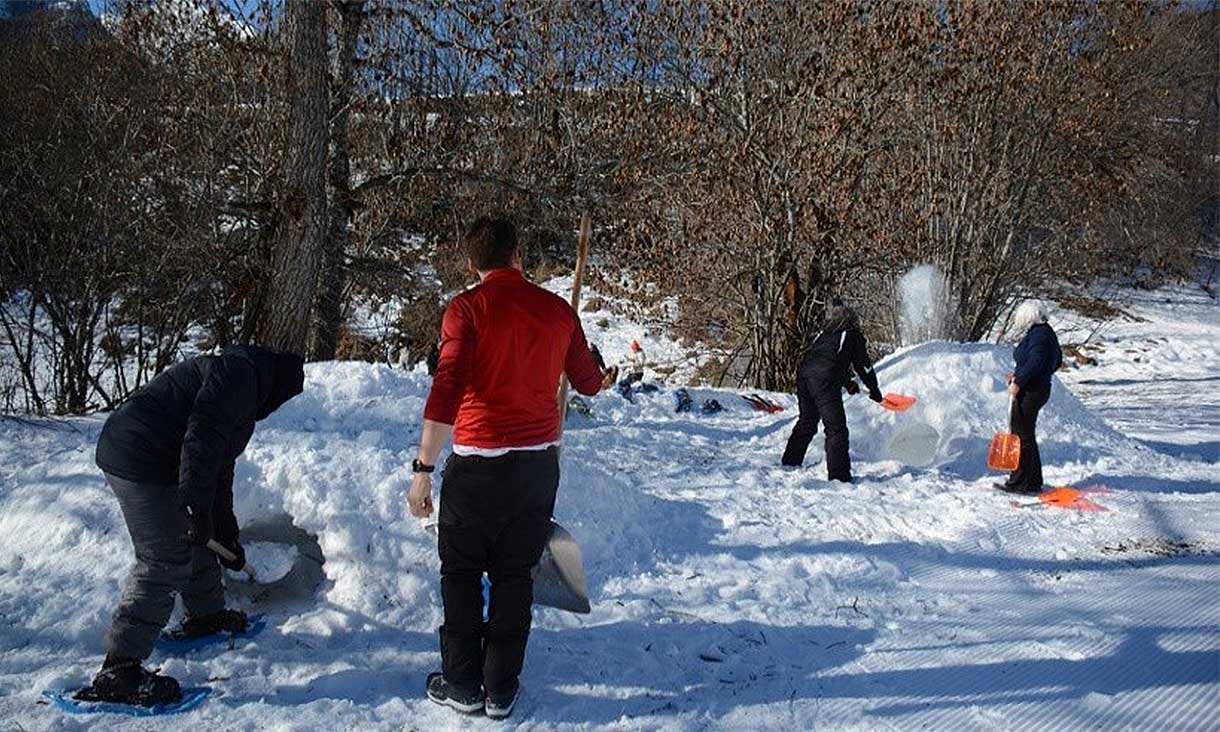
x: 168, y: 454
x: 820, y: 380
x: 1038, y: 358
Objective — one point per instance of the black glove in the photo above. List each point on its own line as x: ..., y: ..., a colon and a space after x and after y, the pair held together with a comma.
x: 852, y: 387
x: 198, y: 526
x: 239, y: 554
x: 875, y: 395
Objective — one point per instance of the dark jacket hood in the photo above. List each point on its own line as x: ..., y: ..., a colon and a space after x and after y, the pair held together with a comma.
x: 841, y: 317
x: 281, y: 376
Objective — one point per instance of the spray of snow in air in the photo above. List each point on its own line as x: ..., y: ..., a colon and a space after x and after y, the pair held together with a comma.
x: 925, y: 306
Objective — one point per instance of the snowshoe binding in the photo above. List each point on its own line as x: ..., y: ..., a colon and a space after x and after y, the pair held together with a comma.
x: 125, y: 681
x: 221, y: 621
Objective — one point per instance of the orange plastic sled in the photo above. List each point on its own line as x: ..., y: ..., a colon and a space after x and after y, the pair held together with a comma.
x: 1067, y: 497
x: 898, y: 402
x: 1005, y: 451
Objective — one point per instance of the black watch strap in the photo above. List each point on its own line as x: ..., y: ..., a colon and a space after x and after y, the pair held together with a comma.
x: 418, y: 467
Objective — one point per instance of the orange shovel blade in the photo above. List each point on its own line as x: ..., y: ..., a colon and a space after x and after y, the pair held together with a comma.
x: 1005, y: 452
x: 897, y: 402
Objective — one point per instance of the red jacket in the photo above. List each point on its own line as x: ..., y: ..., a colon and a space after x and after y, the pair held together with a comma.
x: 504, y: 345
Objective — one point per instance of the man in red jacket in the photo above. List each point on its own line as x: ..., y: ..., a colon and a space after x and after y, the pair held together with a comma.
x: 504, y: 344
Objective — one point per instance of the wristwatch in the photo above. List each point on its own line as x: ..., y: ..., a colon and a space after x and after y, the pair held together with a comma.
x: 418, y: 467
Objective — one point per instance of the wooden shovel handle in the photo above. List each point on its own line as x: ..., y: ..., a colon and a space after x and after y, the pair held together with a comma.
x: 223, y: 552
x: 578, y: 278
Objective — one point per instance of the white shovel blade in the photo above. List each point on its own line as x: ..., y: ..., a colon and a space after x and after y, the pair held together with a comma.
x: 559, y: 576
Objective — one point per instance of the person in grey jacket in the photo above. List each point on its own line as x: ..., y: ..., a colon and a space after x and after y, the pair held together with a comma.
x: 168, y: 453
x: 1037, y: 357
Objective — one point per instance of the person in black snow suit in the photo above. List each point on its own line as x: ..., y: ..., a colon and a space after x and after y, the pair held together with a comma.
x: 820, y: 380
x: 168, y: 453
x: 1038, y: 357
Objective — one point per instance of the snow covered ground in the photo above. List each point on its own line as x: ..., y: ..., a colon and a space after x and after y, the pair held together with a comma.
x: 729, y: 594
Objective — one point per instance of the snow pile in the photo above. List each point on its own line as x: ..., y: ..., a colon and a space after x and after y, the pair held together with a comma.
x: 962, y: 393
x: 728, y: 593
x: 336, y: 459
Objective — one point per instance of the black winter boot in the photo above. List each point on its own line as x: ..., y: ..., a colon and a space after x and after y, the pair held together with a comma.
x: 125, y: 681
x: 499, y: 706
x: 442, y: 692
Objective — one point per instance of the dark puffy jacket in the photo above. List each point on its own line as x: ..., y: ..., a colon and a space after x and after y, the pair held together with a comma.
x: 189, y: 424
x: 1038, y: 357
x: 832, y: 356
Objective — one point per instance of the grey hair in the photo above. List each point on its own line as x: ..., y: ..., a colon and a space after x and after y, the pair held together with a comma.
x: 1027, y: 315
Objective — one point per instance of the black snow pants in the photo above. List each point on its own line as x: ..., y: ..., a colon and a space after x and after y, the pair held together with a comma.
x: 495, y: 517
x: 823, y: 402
x: 1028, y: 475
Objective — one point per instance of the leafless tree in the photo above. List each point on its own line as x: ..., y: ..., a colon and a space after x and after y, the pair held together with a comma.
x: 301, y: 232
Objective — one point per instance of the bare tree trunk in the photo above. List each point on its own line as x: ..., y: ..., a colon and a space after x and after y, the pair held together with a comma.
x: 300, y: 237
x: 333, y: 274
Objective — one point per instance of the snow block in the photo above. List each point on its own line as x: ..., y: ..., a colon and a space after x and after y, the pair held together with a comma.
x: 62, y: 700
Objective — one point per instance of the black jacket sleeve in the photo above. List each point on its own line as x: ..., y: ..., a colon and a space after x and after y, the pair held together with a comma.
x: 228, y: 397
x: 858, y: 349
x: 224, y: 521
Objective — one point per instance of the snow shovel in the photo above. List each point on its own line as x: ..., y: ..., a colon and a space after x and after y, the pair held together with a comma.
x: 897, y: 402
x: 1005, y: 451
x: 559, y: 575
x: 229, y: 556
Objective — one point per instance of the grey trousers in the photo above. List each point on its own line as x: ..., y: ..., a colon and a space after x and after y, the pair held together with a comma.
x: 165, y: 564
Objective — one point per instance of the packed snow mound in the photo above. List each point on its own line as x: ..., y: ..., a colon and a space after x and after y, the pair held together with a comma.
x: 336, y: 459
x: 962, y: 402
x: 962, y: 393
x: 728, y: 592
